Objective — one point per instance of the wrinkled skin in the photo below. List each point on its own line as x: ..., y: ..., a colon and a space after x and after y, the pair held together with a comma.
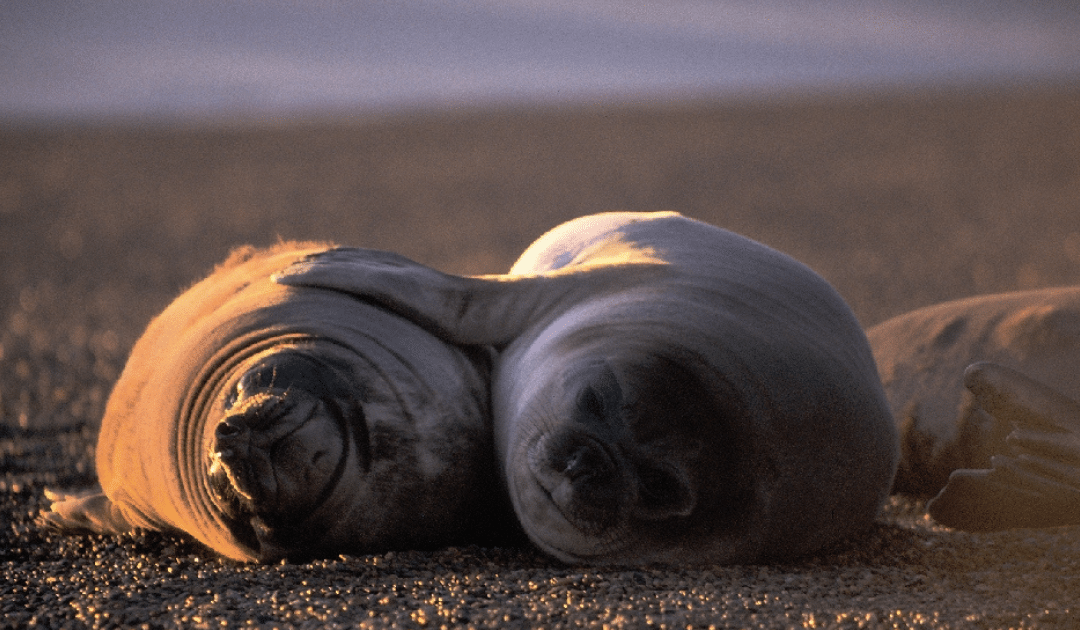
x: 665, y: 391
x: 273, y: 422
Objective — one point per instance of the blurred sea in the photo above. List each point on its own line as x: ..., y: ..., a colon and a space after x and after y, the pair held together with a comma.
x: 192, y: 59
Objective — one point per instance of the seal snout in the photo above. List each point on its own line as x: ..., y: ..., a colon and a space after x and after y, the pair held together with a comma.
x: 240, y: 461
x: 230, y: 438
x: 596, y: 486
x: 583, y: 477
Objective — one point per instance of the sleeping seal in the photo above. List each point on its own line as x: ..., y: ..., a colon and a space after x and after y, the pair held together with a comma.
x: 666, y: 391
x: 922, y: 356
x: 277, y: 422
x: 1008, y: 444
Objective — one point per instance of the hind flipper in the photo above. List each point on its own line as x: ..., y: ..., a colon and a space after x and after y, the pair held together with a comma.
x: 90, y: 511
x: 1037, y: 484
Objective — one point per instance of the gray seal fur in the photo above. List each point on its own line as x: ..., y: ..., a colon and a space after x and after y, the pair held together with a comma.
x: 665, y: 391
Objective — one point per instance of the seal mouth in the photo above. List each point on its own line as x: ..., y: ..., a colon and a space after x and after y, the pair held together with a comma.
x: 575, y: 524
x: 266, y: 501
x: 291, y: 423
x: 582, y: 477
x: 247, y: 465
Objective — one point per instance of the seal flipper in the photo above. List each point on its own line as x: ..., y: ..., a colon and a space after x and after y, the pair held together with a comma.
x: 85, y: 512
x: 1039, y: 486
x: 482, y: 310
x: 1005, y: 497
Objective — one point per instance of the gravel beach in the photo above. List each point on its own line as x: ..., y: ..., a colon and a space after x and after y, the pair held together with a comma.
x: 899, y: 199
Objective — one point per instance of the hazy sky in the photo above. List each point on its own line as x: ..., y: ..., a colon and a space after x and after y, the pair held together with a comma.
x: 182, y: 58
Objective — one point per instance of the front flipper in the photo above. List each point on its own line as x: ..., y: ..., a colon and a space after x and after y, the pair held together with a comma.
x: 1038, y: 484
x: 485, y: 310
x: 84, y: 512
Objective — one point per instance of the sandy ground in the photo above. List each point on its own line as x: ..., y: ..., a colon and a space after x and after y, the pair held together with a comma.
x: 898, y: 200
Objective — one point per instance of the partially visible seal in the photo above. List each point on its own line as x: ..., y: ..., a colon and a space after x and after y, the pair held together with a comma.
x: 922, y: 356
x: 666, y: 391
x: 1035, y: 480
x: 277, y: 422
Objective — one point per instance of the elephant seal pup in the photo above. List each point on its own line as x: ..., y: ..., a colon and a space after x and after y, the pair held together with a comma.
x: 275, y: 422
x: 666, y: 391
x: 922, y: 356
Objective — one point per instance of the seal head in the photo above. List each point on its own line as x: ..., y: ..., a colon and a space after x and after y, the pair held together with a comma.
x: 622, y: 453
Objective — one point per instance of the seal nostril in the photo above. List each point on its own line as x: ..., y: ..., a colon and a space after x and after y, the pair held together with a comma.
x: 584, y: 461
x: 226, y: 429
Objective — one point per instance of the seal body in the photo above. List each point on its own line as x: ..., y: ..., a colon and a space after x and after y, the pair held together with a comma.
x: 665, y: 391
x: 277, y: 422
x: 922, y: 356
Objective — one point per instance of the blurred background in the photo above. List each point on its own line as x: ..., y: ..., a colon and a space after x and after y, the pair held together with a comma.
x: 193, y: 59
x: 910, y: 151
